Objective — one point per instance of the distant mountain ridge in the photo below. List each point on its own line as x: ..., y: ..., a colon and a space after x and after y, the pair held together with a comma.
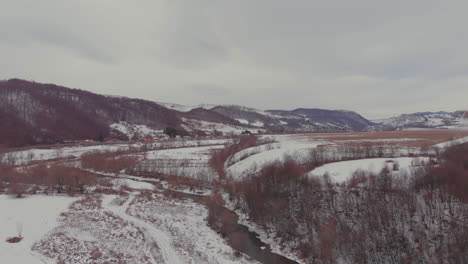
x: 423, y: 120
x: 36, y: 113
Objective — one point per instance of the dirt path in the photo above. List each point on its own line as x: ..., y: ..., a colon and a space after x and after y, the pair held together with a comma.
x: 163, y: 241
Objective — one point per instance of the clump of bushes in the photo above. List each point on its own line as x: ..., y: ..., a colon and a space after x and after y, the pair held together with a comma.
x: 111, y: 162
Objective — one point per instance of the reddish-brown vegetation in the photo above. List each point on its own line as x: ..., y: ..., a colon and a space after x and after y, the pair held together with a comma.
x: 371, y: 219
x: 219, y: 157
x: 45, y: 178
x: 110, y: 162
x: 34, y: 113
x: 14, y: 239
x: 451, y: 174
x: 420, y: 138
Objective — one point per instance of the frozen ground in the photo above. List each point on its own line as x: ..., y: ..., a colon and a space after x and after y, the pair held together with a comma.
x: 191, y: 153
x: 25, y: 156
x: 187, y: 162
x: 447, y: 144
x: 343, y: 171
x: 133, y: 184
x: 297, y: 147
x: 36, y: 154
x: 184, y: 224
x: 252, y: 160
x: 38, y: 215
x: 134, y: 228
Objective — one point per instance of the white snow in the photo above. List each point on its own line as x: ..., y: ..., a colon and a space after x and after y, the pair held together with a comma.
x: 287, y: 146
x: 246, y: 122
x: 202, y: 153
x: 37, y: 214
x: 132, y: 130
x: 187, y: 162
x: 137, y: 185
x: 451, y: 143
x: 268, y: 237
x: 26, y: 156
x: 257, y: 124
x: 35, y: 154
x: 342, y: 171
x: 186, y: 108
x: 243, y: 154
x: 243, y: 121
x: 162, y: 239
x: 211, y: 127
x: 183, y: 225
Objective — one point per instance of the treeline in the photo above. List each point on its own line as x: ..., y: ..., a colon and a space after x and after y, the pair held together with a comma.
x: 376, y: 219
x: 219, y: 158
x: 46, y: 179
x: 326, y: 154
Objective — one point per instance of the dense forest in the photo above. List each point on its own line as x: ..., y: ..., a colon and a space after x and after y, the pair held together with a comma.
x: 417, y: 218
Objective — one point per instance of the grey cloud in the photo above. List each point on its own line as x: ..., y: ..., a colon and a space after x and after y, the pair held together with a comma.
x: 380, y: 57
x: 212, y: 90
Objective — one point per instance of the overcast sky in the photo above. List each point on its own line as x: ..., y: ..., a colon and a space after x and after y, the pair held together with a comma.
x: 379, y: 58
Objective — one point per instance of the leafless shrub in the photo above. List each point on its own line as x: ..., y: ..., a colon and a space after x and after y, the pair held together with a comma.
x: 108, y: 161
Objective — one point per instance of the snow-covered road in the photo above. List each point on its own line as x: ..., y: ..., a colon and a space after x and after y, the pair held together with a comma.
x: 163, y: 241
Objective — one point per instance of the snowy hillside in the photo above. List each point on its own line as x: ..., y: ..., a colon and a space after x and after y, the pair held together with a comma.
x: 185, y: 108
x: 423, y: 120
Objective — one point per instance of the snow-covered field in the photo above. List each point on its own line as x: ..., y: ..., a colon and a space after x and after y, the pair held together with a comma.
x: 23, y: 157
x: 187, y: 162
x: 131, y: 228
x: 252, y: 160
x: 297, y: 147
x: 37, y: 215
x: 133, y: 184
x: 450, y: 143
x: 183, y: 222
x: 191, y: 153
x: 343, y: 171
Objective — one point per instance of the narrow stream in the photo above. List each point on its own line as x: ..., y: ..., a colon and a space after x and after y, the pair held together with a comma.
x: 242, y: 239
x: 238, y: 236
x: 247, y: 242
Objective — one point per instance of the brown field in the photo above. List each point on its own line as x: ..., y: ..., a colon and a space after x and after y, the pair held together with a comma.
x: 406, y: 138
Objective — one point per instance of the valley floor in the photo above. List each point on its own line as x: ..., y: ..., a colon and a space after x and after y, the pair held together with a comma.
x: 131, y: 219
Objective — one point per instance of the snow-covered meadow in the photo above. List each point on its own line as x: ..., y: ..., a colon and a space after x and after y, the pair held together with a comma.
x: 331, y: 147
x: 343, y: 171
x: 35, y: 216
x: 26, y: 156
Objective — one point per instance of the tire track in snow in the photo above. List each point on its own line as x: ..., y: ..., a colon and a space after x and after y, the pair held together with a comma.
x: 163, y: 241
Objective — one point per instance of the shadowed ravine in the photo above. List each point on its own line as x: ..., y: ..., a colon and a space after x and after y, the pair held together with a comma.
x: 241, y: 238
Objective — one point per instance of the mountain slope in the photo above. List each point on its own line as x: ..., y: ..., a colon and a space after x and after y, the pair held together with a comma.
x: 423, y: 120
x: 246, y: 115
x: 46, y: 113
x: 322, y: 120
x: 35, y: 113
